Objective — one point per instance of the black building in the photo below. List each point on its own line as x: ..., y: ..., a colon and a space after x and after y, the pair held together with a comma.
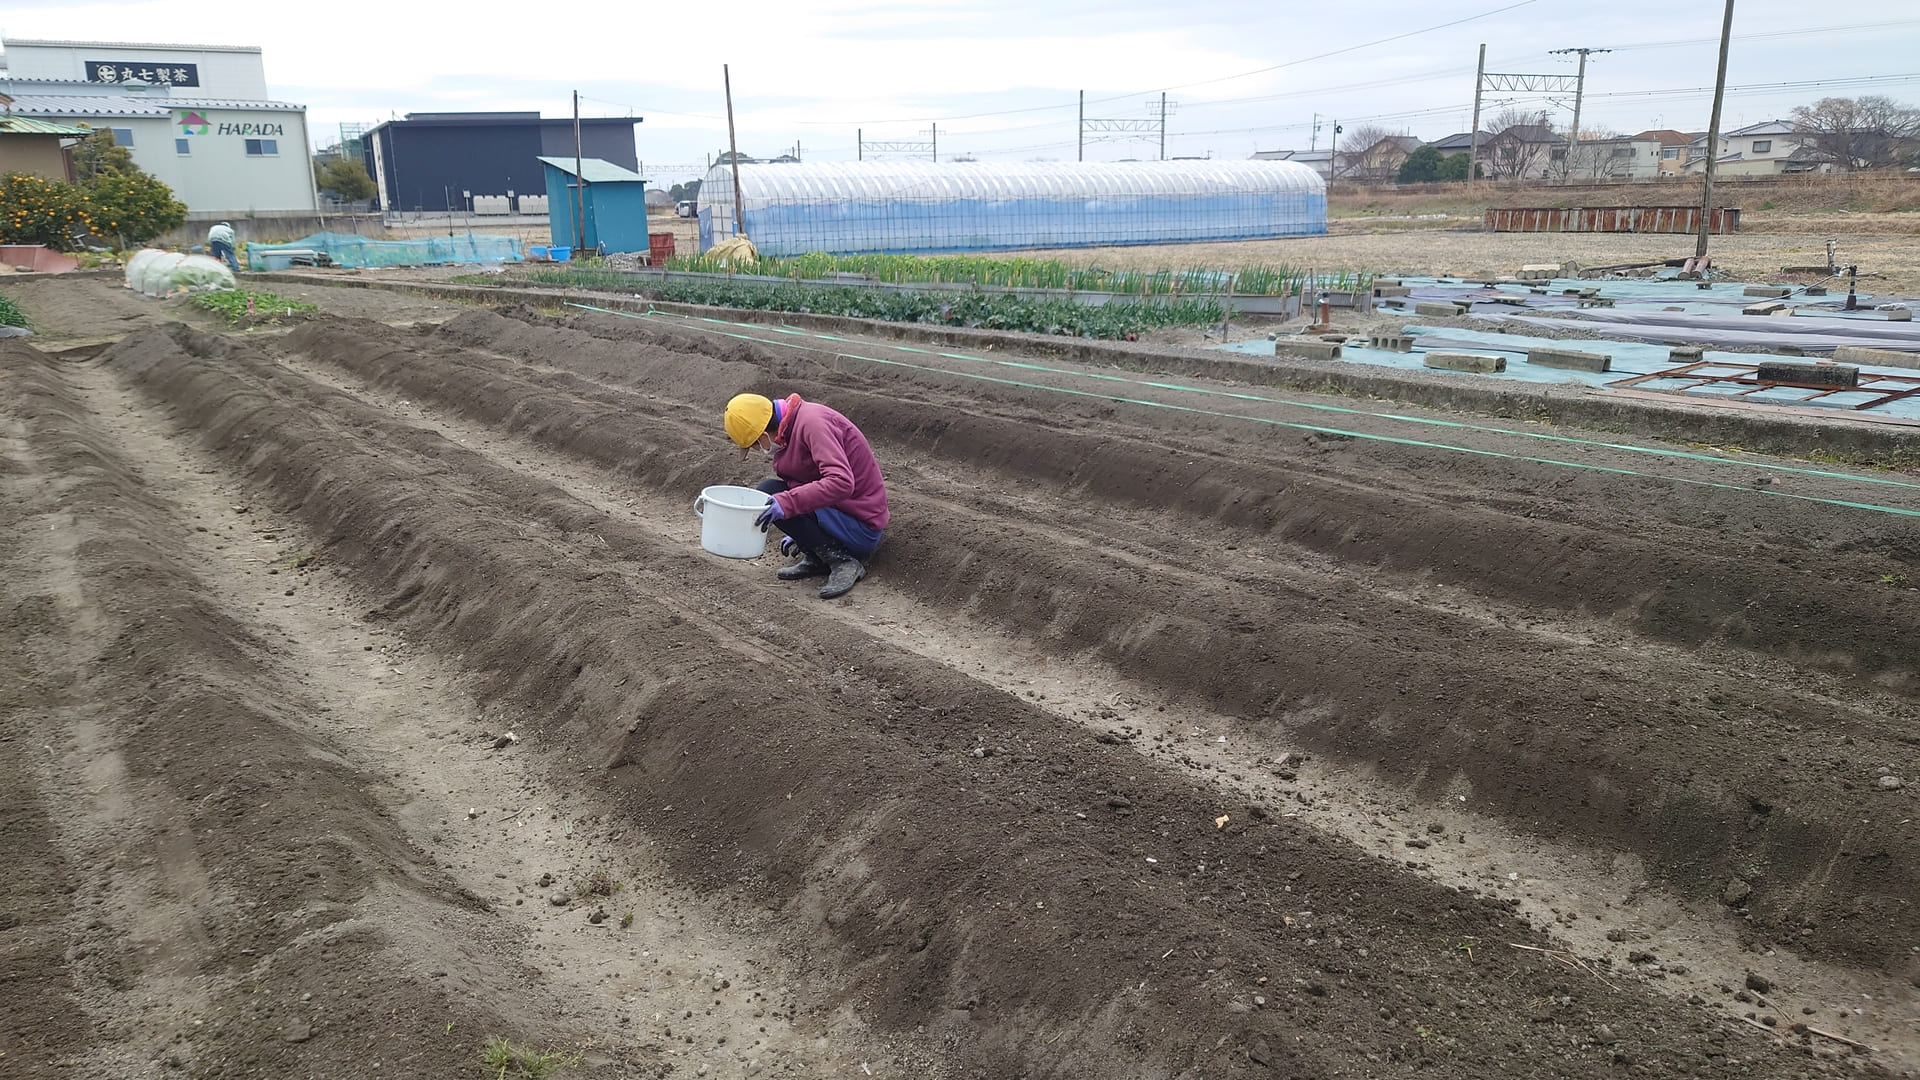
x: 435, y: 161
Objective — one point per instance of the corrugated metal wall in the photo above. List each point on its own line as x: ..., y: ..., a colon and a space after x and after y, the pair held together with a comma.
x: 1613, y: 219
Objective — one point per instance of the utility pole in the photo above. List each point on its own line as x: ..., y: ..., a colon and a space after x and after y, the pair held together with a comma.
x: 733, y: 153
x: 1081, y: 131
x: 579, y: 181
x: 936, y: 143
x: 859, y: 144
x: 1163, y: 125
x: 1579, y: 86
x: 1333, y: 153
x: 1473, y: 138
x: 1713, y: 137
x: 1313, y: 135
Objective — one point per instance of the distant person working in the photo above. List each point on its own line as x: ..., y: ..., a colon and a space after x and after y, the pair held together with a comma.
x: 828, y: 495
x: 220, y: 239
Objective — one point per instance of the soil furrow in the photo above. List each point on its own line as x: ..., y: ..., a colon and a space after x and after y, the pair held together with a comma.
x: 1595, y: 901
x: 1563, y: 737
x: 932, y: 885
x: 219, y: 923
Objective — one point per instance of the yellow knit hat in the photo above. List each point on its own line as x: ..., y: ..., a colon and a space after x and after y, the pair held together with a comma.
x: 747, y: 418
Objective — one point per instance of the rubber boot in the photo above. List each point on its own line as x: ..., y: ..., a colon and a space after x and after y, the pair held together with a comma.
x: 810, y: 565
x: 843, y: 572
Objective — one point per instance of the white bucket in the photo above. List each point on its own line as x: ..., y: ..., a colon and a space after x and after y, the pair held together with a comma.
x: 726, y: 516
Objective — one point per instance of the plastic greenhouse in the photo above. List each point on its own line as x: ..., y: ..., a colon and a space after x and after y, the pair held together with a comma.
x: 899, y: 206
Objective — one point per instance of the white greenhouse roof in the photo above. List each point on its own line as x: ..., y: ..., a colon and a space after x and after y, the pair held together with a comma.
x: 920, y: 180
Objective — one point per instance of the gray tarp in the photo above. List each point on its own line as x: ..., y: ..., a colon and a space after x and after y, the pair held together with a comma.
x: 1815, y: 335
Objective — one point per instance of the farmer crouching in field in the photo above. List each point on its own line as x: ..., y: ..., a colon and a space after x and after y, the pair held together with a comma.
x: 828, y: 498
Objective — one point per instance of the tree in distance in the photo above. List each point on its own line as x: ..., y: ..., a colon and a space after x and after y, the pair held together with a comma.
x: 1428, y: 165
x: 345, y: 177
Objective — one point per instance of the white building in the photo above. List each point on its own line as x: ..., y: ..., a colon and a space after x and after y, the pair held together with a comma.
x: 1769, y: 148
x: 1620, y: 157
x: 198, y: 117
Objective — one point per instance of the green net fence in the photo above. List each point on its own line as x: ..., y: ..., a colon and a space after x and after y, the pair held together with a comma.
x: 346, y: 249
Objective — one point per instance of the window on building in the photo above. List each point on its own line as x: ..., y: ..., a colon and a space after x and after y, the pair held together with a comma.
x: 1623, y: 151
x: 1670, y: 153
x: 1761, y: 146
x: 263, y: 147
x: 183, y: 147
x: 122, y: 136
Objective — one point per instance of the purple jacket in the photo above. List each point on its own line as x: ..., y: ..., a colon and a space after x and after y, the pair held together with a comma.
x: 827, y: 462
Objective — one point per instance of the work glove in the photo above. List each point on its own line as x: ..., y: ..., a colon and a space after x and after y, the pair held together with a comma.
x: 789, y: 546
x: 770, y: 514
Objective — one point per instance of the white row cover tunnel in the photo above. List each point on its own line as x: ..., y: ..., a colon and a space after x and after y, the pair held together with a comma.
x: 908, y: 206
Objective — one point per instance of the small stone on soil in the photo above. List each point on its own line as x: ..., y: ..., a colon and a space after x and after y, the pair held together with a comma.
x: 1759, y: 984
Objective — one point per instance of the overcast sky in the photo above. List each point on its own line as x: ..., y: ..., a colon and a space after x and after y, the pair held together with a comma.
x: 1001, y: 78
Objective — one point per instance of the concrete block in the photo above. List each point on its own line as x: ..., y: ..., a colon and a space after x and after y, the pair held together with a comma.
x: 1386, y: 281
x: 1765, y: 307
x: 1483, y: 363
x: 1595, y: 301
x: 1390, y: 342
x: 1813, y: 372
x: 1570, y: 360
x: 1436, y: 310
x: 1815, y: 290
x: 1766, y: 290
x: 1380, y: 290
x: 1686, y: 354
x: 1854, y: 354
x: 1306, y: 350
x: 1899, y: 314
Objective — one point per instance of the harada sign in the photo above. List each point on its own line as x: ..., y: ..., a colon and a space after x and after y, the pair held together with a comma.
x: 195, y: 122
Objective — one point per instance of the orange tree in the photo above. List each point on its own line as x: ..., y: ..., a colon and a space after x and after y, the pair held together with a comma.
x: 133, y: 206
x: 35, y: 210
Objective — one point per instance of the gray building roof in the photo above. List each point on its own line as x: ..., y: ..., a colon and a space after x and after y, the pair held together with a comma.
x: 135, y: 45
x: 131, y: 105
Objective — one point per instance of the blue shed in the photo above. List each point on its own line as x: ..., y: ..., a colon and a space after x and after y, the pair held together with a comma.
x: 613, y: 205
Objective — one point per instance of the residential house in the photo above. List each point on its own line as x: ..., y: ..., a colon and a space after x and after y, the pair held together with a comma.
x: 1463, y: 142
x: 1673, y: 149
x: 1525, y: 152
x: 1320, y: 161
x: 1379, y: 163
x: 1769, y: 148
x: 36, y: 147
x: 1618, y: 157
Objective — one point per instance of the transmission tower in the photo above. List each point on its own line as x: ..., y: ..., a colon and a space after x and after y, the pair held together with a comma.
x: 1579, y: 84
x: 1154, y: 123
x: 1517, y: 83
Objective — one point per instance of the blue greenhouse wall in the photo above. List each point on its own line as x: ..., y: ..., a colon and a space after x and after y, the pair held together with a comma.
x: 894, y: 208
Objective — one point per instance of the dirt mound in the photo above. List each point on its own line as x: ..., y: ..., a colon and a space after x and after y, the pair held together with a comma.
x: 950, y: 860
x: 212, y: 871
x: 1576, y: 737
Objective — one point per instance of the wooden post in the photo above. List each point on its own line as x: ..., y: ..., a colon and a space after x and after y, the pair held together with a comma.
x: 733, y: 151
x: 579, y: 181
x: 1473, y: 136
x: 1713, y: 137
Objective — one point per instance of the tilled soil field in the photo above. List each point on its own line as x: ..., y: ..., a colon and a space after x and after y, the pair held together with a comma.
x: 368, y: 696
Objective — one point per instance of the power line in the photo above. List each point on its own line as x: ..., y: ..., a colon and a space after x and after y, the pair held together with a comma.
x: 1183, y: 86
